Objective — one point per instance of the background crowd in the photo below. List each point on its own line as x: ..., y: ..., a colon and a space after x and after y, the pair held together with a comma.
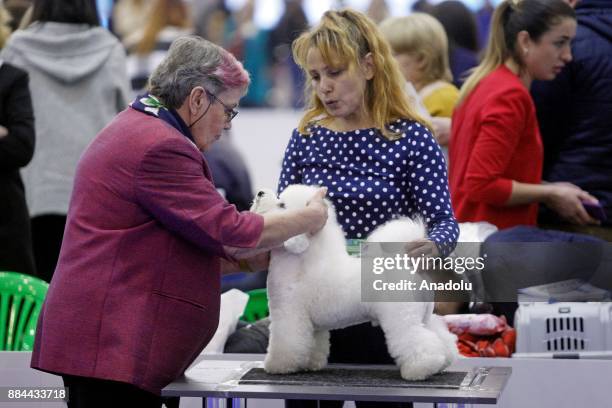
x: 91, y: 72
x: 92, y: 58
x: 501, y: 115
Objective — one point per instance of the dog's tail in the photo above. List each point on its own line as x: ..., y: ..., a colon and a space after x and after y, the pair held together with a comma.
x: 399, y: 230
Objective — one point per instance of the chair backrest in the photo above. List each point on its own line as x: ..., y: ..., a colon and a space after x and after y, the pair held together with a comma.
x: 257, y: 306
x: 21, y: 298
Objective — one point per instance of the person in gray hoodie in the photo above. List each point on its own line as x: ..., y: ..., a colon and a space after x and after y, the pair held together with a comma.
x: 78, y: 82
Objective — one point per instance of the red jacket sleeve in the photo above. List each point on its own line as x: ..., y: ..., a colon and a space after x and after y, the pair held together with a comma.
x: 503, y: 123
x: 171, y: 185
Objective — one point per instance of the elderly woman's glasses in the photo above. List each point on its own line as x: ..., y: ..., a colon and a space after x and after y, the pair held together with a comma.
x: 230, y: 113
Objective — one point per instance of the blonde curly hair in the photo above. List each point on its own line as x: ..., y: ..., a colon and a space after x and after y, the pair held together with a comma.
x: 348, y: 36
x: 5, y: 28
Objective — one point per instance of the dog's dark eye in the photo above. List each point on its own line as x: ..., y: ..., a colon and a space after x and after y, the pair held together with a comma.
x: 260, y: 194
x: 281, y: 205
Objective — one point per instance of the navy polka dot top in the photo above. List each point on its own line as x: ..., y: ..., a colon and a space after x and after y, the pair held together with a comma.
x: 372, y: 180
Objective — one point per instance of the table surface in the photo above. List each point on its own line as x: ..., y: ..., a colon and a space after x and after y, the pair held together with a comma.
x: 218, y: 376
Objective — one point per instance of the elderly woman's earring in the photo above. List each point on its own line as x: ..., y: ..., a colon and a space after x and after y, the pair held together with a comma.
x: 525, y: 51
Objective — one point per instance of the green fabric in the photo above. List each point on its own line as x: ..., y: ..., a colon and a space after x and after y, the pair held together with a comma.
x: 353, y: 247
x: 257, y: 306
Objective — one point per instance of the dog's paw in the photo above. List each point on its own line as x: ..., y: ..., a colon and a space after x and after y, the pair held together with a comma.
x: 423, y: 367
x: 318, y: 360
x: 278, y: 366
x: 317, y: 363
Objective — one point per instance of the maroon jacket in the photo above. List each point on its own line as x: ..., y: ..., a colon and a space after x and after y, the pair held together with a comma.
x: 135, y: 296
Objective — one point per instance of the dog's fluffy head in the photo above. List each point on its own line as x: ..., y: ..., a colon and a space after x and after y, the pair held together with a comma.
x: 265, y: 201
x: 294, y: 197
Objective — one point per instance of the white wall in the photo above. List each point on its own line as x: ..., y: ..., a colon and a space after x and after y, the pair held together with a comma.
x: 261, y: 135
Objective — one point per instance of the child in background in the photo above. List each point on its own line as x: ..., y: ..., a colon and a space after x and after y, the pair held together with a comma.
x: 420, y: 47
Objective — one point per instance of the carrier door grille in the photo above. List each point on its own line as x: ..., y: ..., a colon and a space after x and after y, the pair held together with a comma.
x: 565, y: 333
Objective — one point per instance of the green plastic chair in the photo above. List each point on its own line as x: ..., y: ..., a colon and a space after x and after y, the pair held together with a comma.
x: 21, y: 298
x: 257, y: 306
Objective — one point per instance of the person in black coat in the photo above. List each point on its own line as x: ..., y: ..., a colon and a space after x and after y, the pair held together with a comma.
x: 16, y: 150
x: 575, y: 116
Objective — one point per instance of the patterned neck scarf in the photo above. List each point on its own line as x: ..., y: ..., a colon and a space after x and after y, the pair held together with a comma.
x: 152, y: 106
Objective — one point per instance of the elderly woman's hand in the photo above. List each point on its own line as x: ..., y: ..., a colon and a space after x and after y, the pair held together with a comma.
x: 319, y: 210
x: 3, y: 132
x: 279, y: 226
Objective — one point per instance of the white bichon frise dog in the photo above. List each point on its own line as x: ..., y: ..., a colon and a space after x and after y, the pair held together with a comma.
x: 314, y: 286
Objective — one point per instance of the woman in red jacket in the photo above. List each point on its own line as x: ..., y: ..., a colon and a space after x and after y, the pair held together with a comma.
x: 496, y: 153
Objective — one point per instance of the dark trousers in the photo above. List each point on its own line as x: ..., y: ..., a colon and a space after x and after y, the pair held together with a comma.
x: 47, y: 236
x: 360, y: 344
x: 84, y: 392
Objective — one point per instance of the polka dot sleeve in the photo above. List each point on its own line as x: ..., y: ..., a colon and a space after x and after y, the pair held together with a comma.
x: 428, y: 185
x: 291, y: 172
x: 372, y: 180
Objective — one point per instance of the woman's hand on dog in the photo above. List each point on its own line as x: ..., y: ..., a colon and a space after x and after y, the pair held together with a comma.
x: 422, y: 247
x: 318, y: 208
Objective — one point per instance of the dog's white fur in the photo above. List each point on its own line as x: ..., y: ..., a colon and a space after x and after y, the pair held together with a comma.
x: 314, y: 286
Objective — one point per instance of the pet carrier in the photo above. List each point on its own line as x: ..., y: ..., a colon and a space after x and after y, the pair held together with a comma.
x: 564, y: 329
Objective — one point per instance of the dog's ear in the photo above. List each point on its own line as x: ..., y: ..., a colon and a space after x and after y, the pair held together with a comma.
x: 297, y: 244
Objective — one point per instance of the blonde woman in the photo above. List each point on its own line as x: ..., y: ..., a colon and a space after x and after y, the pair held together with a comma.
x: 495, y: 151
x: 363, y: 140
x: 5, y: 28
x: 167, y: 20
x: 420, y: 47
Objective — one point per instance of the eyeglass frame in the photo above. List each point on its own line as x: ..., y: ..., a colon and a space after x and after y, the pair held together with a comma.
x: 230, y: 113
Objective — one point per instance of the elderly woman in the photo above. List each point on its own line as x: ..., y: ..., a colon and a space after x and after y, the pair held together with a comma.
x: 135, y: 297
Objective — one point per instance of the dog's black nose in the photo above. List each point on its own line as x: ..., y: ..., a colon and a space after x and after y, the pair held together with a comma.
x: 260, y: 194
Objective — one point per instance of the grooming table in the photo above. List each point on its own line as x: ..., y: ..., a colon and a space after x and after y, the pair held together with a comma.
x: 241, y: 376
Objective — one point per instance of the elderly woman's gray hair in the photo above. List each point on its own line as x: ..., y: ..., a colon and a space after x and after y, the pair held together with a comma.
x: 192, y: 61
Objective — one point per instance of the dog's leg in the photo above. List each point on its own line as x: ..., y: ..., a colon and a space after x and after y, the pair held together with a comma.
x: 418, y: 351
x: 291, y: 342
x: 437, y: 325
x: 320, y: 352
